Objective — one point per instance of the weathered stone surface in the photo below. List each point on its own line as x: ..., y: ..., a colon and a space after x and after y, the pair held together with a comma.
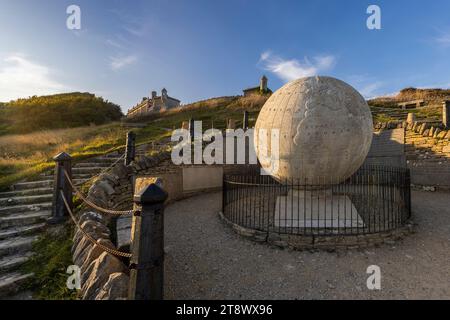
x: 100, y: 270
x: 91, y: 227
x: 94, y: 252
x: 436, y: 132
x: 442, y: 134
x: 106, y: 187
x: 116, y: 288
x: 325, y: 129
x: 431, y: 131
x: 83, y: 247
x: 423, y: 128
x: 411, y: 118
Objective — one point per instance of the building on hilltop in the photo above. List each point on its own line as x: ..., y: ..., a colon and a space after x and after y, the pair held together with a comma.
x: 153, y: 104
x: 261, y: 89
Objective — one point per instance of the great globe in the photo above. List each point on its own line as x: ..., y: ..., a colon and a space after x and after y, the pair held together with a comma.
x: 324, y: 131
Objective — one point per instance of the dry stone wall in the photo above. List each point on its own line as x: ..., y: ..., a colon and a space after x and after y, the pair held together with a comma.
x: 427, y: 152
x: 105, y: 276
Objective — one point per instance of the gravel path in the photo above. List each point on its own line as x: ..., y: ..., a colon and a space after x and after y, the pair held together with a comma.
x: 207, y: 260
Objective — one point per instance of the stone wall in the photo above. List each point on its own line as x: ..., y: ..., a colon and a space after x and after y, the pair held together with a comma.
x: 427, y: 152
x: 104, y: 276
x: 305, y: 242
x: 387, y: 148
x: 428, y: 155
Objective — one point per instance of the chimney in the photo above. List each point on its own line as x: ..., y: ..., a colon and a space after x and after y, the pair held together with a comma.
x: 153, y: 94
x: 263, y: 84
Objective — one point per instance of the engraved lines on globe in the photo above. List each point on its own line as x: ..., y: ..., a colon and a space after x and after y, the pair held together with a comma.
x: 325, y: 129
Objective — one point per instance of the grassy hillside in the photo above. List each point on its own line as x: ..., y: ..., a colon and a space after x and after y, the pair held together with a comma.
x: 66, y: 110
x: 25, y: 155
x: 432, y: 97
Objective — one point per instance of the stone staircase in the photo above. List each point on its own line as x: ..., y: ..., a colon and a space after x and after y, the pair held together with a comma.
x: 23, y: 214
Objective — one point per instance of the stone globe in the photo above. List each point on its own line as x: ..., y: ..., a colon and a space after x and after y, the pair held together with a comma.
x: 323, y: 128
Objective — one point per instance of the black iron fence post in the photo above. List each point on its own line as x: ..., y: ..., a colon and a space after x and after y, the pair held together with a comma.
x: 61, y: 183
x: 130, y: 150
x: 147, y: 244
x: 191, y: 129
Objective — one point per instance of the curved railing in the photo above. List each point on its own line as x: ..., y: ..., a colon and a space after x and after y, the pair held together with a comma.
x: 375, y: 199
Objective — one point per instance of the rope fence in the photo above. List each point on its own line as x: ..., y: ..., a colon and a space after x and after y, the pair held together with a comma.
x: 89, y: 237
x: 93, y: 205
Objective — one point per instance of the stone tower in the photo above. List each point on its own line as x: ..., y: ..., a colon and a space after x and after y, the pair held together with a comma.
x: 263, y: 84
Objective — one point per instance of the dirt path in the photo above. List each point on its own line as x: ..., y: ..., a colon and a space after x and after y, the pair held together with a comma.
x: 206, y: 260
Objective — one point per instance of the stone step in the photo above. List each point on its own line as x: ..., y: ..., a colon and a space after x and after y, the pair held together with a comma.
x: 102, y: 160
x: 24, y: 219
x: 80, y: 181
x: 33, y: 185
x: 85, y: 170
x: 80, y: 170
x: 13, y: 262
x: 16, y: 245
x: 21, y: 295
x: 21, y: 230
x: 11, y: 201
x: 26, y: 192
x: 76, y: 176
x: 11, y: 283
x: 92, y: 164
x: 25, y: 208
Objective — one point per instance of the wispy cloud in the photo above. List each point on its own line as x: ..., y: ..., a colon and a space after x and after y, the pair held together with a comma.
x: 114, y: 43
x: 292, y: 69
x: 443, y: 40
x: 22, y: 77
x: 367, y: 85
x: 441, y: 37
x: 117, y: 63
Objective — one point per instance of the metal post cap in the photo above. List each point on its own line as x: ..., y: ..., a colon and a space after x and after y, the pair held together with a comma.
x: 151, y: 194
x: 62, y: 157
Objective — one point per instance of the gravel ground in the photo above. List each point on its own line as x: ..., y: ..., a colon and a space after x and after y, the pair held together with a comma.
x: 206, y: 260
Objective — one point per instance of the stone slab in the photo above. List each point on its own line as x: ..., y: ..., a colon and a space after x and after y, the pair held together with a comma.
x: 316, y: 209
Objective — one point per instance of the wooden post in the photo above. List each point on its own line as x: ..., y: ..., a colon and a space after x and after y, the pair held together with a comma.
x: 446, y: 114
x: 147, y: 244
x: 245, y: 122
x: 130, y: 150
x: 59, y: 210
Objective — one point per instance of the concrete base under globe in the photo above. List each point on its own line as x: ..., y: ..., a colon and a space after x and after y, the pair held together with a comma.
x: 316, y: 209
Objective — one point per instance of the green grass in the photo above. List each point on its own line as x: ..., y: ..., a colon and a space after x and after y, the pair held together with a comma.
x: 52, y: 256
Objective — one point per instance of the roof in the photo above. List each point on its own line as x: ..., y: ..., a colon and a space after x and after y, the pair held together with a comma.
x: 251, y: 89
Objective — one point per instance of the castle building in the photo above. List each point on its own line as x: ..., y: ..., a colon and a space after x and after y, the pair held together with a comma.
x: 261, y: 89
x: 154, y: 103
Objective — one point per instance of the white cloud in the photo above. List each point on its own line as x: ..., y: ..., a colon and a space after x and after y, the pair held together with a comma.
x: 118, y: 63
x: 292, y: 69
x: 443, y: 39
x: 113, y: 43
x: 368, y: 86
x: 21, y: 77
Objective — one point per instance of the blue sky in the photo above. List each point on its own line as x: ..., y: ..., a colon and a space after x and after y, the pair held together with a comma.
x: 199, y: 49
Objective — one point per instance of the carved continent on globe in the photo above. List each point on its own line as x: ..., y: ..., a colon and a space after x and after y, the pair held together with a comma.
x: 325, y: 130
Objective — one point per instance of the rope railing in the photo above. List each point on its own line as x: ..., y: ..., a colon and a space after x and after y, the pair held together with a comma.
x: 93, y: 205
x: 89, y: 237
